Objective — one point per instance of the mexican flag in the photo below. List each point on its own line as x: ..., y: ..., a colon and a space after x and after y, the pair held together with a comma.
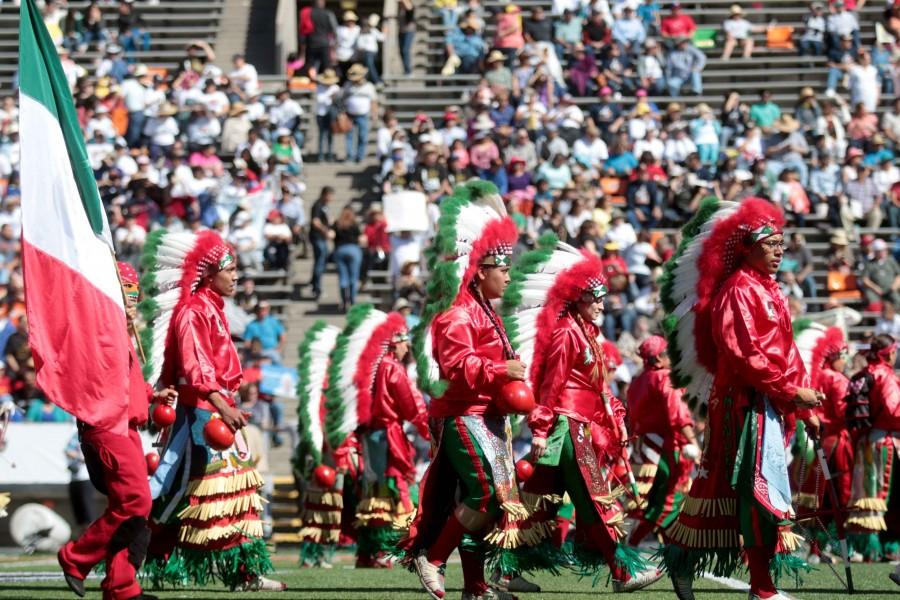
x: 73, y: 300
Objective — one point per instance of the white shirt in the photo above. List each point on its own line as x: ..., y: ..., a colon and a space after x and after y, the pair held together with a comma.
x: 842, y: 23
x: 358, y: 98
x: 161, y: 130
x: 346, y: 42
x: 886, y: 178
x: 325, y: 96
x: 596, y: 150
x: 127, y: 165
x: 864, y: 86
x: 655, y: 147
x: 103, y: 124
x: 216, y: 102
x: 739, y: 29
x: 650, y: 67
x: 204, y: 130
x: 284, y: 115
x: 97, y: 151
x: 277, y: 231
x: 260, y: 151
x: 246, y: 78
x: 134, y: 94
x: 677, y: 150
x: 368, y: 41
x: 568, y: 116
x: 623, y: 234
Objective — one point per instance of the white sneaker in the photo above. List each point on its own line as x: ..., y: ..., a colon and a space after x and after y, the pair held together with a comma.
x: 430, y: 577
x: 263, y: 584
x: 505, y: 583
x: 489, y: 594
x: 638, y: 582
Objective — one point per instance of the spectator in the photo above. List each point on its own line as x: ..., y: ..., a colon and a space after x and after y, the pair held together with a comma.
x: 465, y: 46
x: 499, y: 76
x: 268, y: 330
x: 162, y: 130
x: 591, y: 149
x: 737, y: 30
x: 629, y: 32
x: 840, y: 58
x: 538, y: 29
x: 582, y: 72
x: 705, y: 131
x: 877, y: 152
x: 327, y: 91
x: 798, y: 260
x: 361, y: 101
x: 677, y: 26
x: 650, y: 68
x: 556, y: 172
x: 91, y: 29
x: 644, y: 202
x: 319, y: 40
x: 881, y: 277
x: 840, y: 257
x: 278, y: 237
x: 684, y: 65
x: 235, y: 129
x: 862, y: 126
x: 864, y: 86
x: 733, y: 119
x: 406, y: 27
x: 567, y: 33
x: 807, y: 111
x: 378, y: 243
x: 524, y: 149
x: 842, y: 23
x: 81, y: 490
x: 888, y: 321
x: 345, y: 40
x: 649, y: 12
x: 113, y: 64
x: 509, y: 38
x: 244, y: 75
x: 825, y: 186
x: 348, y: 239
x: 765, y: 112
x: 367, y: 46
x: 812, y: 42
x: 133, y: 34
x: 864, y: 197
x: 787, y: 148
x: 320, y: 233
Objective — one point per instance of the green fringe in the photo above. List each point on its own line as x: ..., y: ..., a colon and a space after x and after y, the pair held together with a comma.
x: 891, y: 548
x: 316, y: 554
x: 867, y: 544
x: 334, y: 402
x: 187, y: 566
x: 544, y: 557
x: 148, y: 259
x: 590, y: 563
x: 305, y: 448
x: 372, y: 541
x: 682, y: 562
x: 788, y: 565
x: 528, y: 264
x: 708, y: 208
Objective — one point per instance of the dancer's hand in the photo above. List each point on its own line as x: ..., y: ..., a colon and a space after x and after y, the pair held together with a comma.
x: 808, y: 398
x: 538, y: 448
x: 515, y: 369
x: 234, y: 418
x: 813, y: 425
x: 166, y: 396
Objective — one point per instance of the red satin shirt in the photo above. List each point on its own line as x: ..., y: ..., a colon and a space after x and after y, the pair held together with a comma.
x: 139, y: 393
x: 751, y: 327
x: 654, y: 406
x: 470, y: 357
x: 396, y: 400
x: 831, y: 413
x: 202, y: 358
x: 571, y: 381
x: 884, y: 399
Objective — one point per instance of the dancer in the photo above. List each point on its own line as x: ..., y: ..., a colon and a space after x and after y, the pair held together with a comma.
x: 118, y: 468
x: 313, y: 464
x: 206, y: 501
x: 464, y: 359
x: 731, y: 332
x: 876, y: 427
x: 665, y: 440
x: 371, y: 395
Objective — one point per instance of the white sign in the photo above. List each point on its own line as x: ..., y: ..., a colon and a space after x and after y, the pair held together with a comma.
x: 405, y: 211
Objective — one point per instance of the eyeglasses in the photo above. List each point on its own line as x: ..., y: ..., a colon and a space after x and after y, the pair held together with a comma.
x: 774, y: 245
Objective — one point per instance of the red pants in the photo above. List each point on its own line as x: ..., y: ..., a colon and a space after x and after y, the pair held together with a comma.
x: 120, y: 535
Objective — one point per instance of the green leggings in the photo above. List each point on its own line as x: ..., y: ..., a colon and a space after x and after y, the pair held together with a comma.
x: 467, y: 458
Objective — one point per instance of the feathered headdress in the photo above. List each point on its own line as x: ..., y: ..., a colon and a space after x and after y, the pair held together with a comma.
x: 473, y: 224
x: 312, y: 378
x: 818, y: 345
x: 174, y: 266
x: 713, y: 246
x: 544, y: 282
x: 359, y: 349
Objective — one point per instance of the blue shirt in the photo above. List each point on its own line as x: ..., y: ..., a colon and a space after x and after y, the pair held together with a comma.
x: 873, y: 159
x: 622, y: 164
x: 648, y: 13
x: 466, y: 46
x: 267, y: 331
x: 627, y: 31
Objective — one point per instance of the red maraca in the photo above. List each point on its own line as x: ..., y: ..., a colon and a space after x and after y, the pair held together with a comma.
x: 324, y: 476
x: 218, y: 435
x: 524, y: 470
x: 152, y: 462
x: 163, y: 415
x: 516, y: 397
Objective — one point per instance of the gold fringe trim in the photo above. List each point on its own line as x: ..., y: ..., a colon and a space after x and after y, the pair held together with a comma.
x: 647, y: 471
x: 709, y: 507
x: 200, y: 537
x: 806, y: 500
x: 790, y: 541
x: 867, y: 522
x: 402, y: 521
x: 320, y: 536
x: 535, y: 502
x: 632, y: 505
x: 515, y: 510
x: 226, y: 484
x: 325, y: 498
x: 870, y: 503
x: 374, y: 504
x: 322, y: 517
x: 702, y: 538
x: 512, y: 537
x: 223, y: 508
x: 617, y: 524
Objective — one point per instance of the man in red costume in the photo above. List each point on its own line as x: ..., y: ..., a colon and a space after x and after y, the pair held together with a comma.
x: 758, y: 381
x: 118, y: 468
x: 476, y: 358
x: 390, y: 471
x: 665, y: 438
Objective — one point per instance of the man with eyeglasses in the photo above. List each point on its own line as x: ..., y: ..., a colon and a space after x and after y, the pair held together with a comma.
x: 737, y: 355
x: 390, y: 473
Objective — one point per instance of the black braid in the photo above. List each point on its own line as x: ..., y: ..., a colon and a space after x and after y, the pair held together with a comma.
x: 486, y: 307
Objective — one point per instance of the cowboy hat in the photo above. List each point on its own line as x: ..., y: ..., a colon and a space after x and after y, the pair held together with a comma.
x: 786, y: 124
x: 495, y: 56
x: 237, y: 108
x: 839, y: 238
x: 328, y: 77
x: 167, y: 110
x: 349, y: 15
x: 807, y: 92
x: 356, y: 72
x: 736, y: 9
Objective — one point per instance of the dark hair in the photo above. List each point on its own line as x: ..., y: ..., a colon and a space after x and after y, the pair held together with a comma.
x: 880, y: 342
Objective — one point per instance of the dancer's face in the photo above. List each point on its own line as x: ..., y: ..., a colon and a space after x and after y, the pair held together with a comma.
x: 492, y: 280
x: 590, y: 309
x: 765, y: 256
x: 224, y: 282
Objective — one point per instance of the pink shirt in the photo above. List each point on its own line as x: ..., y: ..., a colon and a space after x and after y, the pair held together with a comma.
x: 481, y: 155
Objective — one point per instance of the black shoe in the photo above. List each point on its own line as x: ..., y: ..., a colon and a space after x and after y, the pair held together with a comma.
x: 144, y: 596
x: 75, y: 584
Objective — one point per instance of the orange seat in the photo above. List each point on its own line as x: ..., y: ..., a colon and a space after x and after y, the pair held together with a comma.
x: 780, y: 37
x: 614, y: 189
x: 842, y: 285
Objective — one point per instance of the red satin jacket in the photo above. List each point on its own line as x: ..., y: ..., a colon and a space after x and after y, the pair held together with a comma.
x: 396, y: 400
x: 470, y: 357
x: 606, y: 432
x: 831, y: 413
x: 570, y: 380
x: 751, y: 327
x: 203, y: 358
x: 139, y: 393
x: 884, y: 399
x: 654, y: 406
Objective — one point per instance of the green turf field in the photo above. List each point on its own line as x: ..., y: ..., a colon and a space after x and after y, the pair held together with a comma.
x: 344, y: 583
